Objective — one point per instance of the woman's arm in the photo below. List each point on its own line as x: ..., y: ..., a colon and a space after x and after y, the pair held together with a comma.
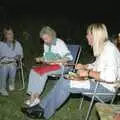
x: 93, y: 74
x: 86, y: 66
x: 81, y: 66
x: 89, y: 73
x: 19, y: 49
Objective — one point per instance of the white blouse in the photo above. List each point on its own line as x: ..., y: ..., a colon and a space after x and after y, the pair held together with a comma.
x: 59, y: 48
x: 108, y: 64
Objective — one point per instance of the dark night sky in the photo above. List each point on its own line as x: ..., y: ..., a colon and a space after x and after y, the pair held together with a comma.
x: 84, y: 9
x: 81, y: 11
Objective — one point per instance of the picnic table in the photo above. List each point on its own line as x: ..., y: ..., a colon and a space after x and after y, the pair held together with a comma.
x: 107, y: 111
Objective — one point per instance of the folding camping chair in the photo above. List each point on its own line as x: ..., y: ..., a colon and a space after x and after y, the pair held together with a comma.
x: 75, y: 51
x: 95, y: 95
x: 21, y: 73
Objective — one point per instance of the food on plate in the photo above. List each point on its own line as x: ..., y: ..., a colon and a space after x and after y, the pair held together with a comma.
x: 71, y: 75
x: 74, y: 76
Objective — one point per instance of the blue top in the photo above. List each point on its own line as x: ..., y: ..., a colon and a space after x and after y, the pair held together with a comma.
x: 9, y: 52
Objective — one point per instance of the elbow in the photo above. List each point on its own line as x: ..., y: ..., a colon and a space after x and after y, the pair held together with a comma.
x: 70, y: 58
x: 108, y: 77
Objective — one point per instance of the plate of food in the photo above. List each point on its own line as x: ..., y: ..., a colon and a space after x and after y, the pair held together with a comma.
x: 73, y: 76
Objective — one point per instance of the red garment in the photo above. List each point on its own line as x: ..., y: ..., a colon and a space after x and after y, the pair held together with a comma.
x: 46, y: 68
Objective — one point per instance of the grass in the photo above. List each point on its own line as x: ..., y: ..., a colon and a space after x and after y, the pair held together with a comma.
x: 10, y: 106
x: 27, y: 31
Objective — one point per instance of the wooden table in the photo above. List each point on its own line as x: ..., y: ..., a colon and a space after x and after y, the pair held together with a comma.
x: 107, y: 111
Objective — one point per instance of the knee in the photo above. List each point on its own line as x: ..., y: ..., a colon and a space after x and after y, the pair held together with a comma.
x: 63, y: 83
x: 3, y: 69
x: 3, y: 73
x: 13, y: 67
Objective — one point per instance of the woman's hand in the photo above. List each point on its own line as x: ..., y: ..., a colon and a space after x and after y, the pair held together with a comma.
x: 82, y: 73
x: 79, y: 66
x: 38, y: 59
x: 18, y: 57
x: 56, y: 62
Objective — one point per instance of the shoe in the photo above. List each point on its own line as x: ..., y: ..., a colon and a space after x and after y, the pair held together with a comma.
x: 35, y: 102
x: 33, y: 112
x: 4, y: 92
x: 12, y: 87
x: 31, y: 104
x: 27, y: 102
x: 28, y: 94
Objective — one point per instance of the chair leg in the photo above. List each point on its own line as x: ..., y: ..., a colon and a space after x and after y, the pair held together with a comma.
x: 113, y: 99
x: 19, y: 75
x: 89, y: 109
x: 22, y: 78
x: 81, y: 102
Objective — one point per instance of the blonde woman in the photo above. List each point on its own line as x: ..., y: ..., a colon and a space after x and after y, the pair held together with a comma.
x: 105, y: 68
x: 55, y: 52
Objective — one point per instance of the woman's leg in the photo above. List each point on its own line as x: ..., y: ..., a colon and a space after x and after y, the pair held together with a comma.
x: 35, y: 87
x: 100, y: 89
x: 36, y: 83
x: 12, y: 75
x: 3, y: 77
x: 61, y: 91
x: 55, y: 98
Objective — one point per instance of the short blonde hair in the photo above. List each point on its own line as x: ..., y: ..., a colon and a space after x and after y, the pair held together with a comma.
x: 49, y: 31
x: 100, y: 35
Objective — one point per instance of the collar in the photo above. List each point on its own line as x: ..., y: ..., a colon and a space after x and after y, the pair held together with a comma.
x: 54, y: 41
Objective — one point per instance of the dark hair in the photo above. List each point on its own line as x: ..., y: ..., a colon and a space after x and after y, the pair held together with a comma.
x: 118, y: 41
x: 5, y: 29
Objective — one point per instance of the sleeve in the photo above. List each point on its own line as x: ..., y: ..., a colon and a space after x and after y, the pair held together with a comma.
x: 91, y: 66
x: 109, y: 72
x: 19, y: 49
x: 6, y: 52
x: 63, y: 51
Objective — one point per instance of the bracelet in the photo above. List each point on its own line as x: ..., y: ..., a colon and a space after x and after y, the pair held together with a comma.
x: 89, y: 72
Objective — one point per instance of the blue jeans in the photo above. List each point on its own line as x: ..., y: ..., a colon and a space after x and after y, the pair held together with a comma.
x: 61, y: 91
x: 7, y: 71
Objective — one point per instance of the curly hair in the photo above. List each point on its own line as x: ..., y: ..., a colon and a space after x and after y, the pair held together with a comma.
x: 49, y: 31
